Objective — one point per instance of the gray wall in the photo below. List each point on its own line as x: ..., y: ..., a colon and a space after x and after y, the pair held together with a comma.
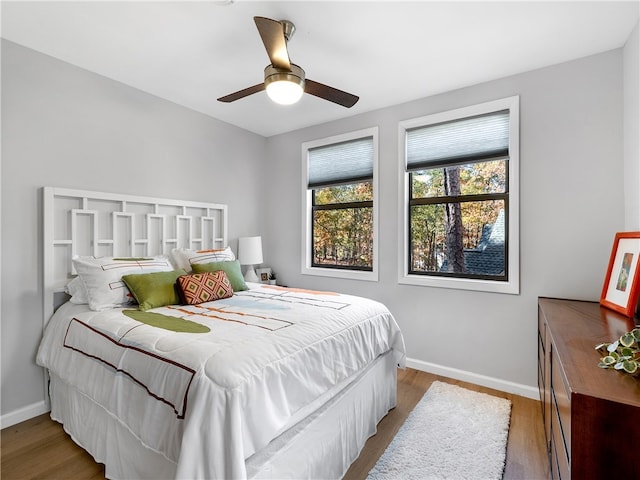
x: 631, y: 81
x: 571, y: 134
x: 67, y: 127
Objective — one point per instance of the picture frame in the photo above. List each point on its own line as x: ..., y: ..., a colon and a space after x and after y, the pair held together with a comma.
x: 620, y: 289
x: 263, y: 274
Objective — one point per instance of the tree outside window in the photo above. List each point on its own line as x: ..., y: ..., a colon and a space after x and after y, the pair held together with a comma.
x: 343, y: 226
x: 457, y: 220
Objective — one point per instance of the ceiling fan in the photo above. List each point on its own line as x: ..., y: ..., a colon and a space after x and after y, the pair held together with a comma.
x: 284, y: 81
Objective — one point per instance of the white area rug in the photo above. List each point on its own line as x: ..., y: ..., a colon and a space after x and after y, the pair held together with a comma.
x: 453, y: 433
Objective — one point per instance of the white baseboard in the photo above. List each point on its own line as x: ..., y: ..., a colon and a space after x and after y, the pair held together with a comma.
x: 24, y: 413
x: 489, y: 382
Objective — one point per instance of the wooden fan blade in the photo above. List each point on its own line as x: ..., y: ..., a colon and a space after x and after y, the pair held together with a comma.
x: 329, y: 93
x: 232, y: 97
x: 272, y: 34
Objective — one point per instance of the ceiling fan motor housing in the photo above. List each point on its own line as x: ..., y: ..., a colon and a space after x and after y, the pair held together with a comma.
x: 274, y: 74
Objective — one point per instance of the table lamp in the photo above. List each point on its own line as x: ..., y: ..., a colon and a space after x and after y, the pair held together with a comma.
x: 250, y: 253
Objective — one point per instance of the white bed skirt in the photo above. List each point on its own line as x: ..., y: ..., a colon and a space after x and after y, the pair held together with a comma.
x: 322, y: 446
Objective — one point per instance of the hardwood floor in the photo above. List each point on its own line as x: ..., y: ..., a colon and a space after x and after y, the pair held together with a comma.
x: 40, y: 449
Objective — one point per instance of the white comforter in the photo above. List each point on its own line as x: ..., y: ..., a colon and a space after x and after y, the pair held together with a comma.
x: 208, y: 401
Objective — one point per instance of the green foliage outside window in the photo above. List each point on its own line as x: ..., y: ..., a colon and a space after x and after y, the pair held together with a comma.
x: 343, y: 226
x: 451, y: 210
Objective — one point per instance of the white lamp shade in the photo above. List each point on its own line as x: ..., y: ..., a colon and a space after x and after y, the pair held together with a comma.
x: 250, y: 250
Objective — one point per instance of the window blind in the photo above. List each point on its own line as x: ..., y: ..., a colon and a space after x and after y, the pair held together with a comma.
x: 467, y: 139
x: 345, y: 162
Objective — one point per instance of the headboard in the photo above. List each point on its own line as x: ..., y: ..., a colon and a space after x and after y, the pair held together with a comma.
x: 80, y: 222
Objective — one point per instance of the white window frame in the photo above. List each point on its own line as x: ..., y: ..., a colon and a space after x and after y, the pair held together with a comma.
x: 307, y: 268
x: 512, y: 285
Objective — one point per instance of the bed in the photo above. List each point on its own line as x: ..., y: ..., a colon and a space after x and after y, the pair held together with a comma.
x: 252, y: 381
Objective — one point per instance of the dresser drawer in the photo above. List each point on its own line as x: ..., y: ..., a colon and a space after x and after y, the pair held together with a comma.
x: 541, y: 386
x: 541, y: 365
x: 559, y: 444
x: 542, y: 327
x: 553, y: 458
x: 561, y: 401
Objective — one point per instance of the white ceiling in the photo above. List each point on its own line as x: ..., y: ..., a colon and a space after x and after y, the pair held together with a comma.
x: 390, y: 52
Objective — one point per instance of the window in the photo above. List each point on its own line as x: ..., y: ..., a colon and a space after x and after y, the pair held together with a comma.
x: 340, y: 218
x: 459, y: 187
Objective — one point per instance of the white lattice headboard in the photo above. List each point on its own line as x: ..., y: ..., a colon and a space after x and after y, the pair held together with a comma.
x: 79, y: 222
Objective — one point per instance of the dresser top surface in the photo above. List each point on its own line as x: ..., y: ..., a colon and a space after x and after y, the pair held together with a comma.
x: 576, y: 327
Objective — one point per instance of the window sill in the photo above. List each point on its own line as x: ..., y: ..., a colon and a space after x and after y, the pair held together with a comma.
x: 510, y: 287
x: 337, y: 273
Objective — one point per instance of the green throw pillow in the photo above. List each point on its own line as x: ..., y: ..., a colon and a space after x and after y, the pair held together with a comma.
x: 231, y: 268
x: 155, y: 289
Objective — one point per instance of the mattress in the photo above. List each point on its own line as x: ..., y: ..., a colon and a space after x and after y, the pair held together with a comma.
x: 207, y: 402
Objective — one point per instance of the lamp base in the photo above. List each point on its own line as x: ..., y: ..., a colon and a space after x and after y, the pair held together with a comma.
x: 250, y: 275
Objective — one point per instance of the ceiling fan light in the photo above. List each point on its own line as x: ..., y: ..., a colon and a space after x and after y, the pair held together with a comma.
x: 283, y: 86
x: 284, y: 92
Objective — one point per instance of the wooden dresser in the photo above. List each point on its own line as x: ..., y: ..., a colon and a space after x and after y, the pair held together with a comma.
x: 591, y: 415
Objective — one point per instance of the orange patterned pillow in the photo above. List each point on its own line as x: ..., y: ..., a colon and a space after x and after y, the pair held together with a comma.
x: 205, y: 287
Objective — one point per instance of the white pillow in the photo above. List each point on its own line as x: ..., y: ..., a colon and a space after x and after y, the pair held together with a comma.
x: 102, y: 277
x: 78, y: 291
x: 184, y: 257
